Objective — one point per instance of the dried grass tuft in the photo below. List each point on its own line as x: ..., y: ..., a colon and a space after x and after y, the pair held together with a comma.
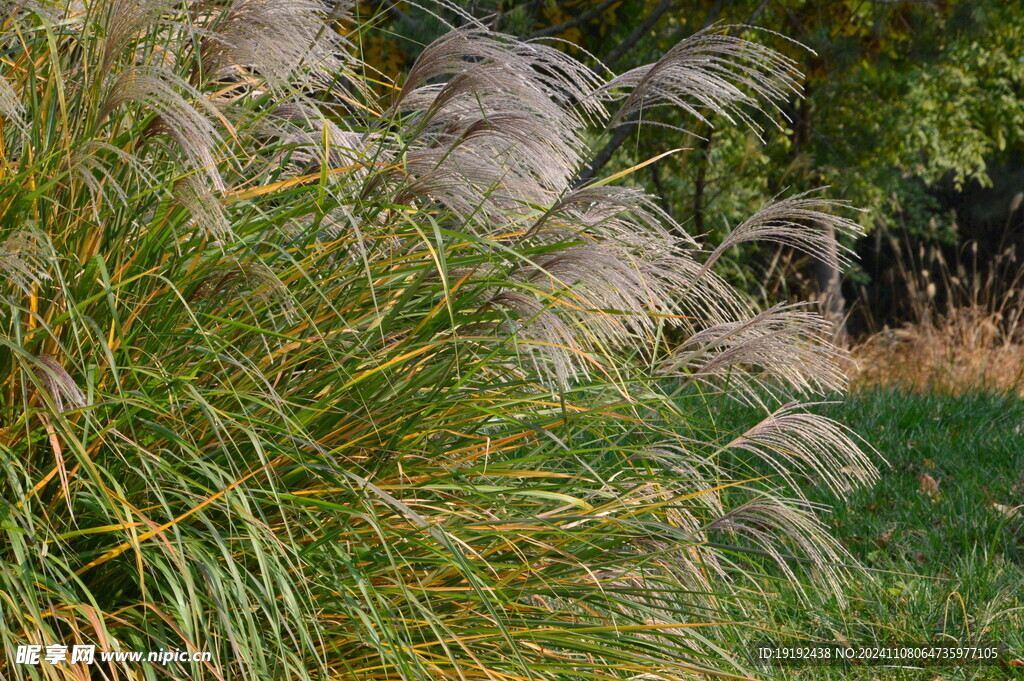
x: 963, y: 350
x: 967, y: 332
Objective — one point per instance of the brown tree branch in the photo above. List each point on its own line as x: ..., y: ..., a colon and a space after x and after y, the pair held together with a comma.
x: 590, y: 14
x: 633, y: 38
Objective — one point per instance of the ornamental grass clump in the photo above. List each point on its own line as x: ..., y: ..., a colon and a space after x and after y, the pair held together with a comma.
x: 330, y: 384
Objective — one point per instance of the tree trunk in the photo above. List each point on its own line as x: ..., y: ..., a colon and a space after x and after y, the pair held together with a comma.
x: 830, y: 290
x: 703, y: 160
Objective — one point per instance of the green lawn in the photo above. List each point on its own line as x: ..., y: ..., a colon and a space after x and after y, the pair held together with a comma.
x: 945, y: 566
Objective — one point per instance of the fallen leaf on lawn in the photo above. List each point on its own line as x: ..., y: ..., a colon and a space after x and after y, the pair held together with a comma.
x: 1017, y: 663
x: 929, y: 486
x: 886, y: 536
x: 1007, y: 511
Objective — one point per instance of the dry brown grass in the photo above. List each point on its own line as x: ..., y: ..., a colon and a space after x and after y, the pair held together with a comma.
x: 966, y: 322
x: 966, y: 349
